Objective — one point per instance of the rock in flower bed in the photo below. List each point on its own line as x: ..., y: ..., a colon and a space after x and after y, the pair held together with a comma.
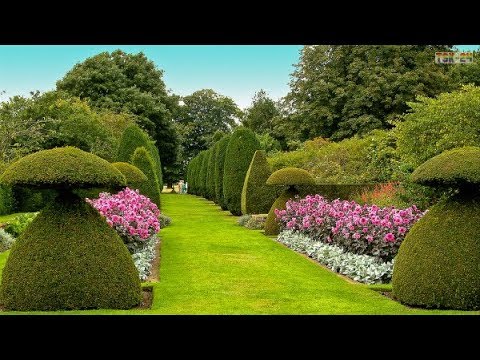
x: 362, y: 268
x: 362, y: 230
x: 136, y: 219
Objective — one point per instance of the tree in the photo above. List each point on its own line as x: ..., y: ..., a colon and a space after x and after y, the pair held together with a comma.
x: 338, y: 91
x: 129, y: 83
x: 258, y: 117
x: 203, y: 114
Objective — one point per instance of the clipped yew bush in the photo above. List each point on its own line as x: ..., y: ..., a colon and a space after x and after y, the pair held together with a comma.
x: 210, y: 182
x: 437, y: 265
x: 68, y: 257
x: 257, y: 196
x: 202, y: 173
x: 143, y: 161
x: 239, y: 153
x: 134, y: 176
x: 220, y: 151
x: 291, y: 177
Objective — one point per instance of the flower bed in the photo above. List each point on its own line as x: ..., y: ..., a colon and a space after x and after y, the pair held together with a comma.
x: 136, y: 219
x: 362, y: 268
x: 362, y: 230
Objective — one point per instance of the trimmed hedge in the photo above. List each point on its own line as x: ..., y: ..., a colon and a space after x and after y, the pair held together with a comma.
x: 198, y: 183
x: 332, y: 192
x: 437, y: 265
x: 191, y: 175
x: 291, y: 176
x: 257, y: 197
x: 202, y: 173
x: 133, y: 175
x: 210, y: 183
x: 132, y: 138
x: 6, y: 200
x: 144, y: 162
x: 69, y: 258
x: 220, y: 151
x: 271, y: 224
x: 241, y: 147
x: 66, y: 167
x: 153, y: 150
x: 453, y: 167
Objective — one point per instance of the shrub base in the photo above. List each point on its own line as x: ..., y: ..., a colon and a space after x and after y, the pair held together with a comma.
x: 271, y: 224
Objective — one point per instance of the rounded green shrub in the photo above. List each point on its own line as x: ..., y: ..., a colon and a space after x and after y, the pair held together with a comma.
x: 202, y: 173
x: 69, y: 258
x: 437, y: 265
x: 191, y: 175
x: 257, y: 197
x: 455, y: 167
x: 132, y: 138
x: 210, y: 182
x: 220, y: 151
x: 133, y: 175
x: 62, y: 168
x: 241, y: 147
x: 144, y: 162
x: 291, y: 176
x: 271, y: 224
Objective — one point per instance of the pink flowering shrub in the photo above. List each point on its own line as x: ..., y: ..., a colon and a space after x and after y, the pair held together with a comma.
x: 366, y: 229
x: 133, y: 216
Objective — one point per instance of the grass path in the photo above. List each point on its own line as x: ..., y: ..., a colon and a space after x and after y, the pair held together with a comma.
x: 210, y: 265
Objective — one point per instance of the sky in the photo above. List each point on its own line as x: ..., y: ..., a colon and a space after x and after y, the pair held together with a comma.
x: 237, y: 71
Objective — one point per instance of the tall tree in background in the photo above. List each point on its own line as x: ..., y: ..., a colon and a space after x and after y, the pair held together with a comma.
x: 258, y: 117
x: 338, y: 91
x: 203, y: 114
x: 129, y: 83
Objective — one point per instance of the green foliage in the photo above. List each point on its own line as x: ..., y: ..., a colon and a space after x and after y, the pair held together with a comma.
x: 164, y: 221
x: 290, y: 176
x: 132, y: 138
x: 31, y: 200
x: 131, y: 83
x: 6, y: 241
x: 256, y: 222
x: 203, y: 114
x: 6, y: 200
x: 239, y: 153
x: 153, y: 150
x: 271, y: 224
x: 142, y: 159
x: 198, y: 180
x: 17, y: 226
x: 203, y: 173
x: 449, y: 121
x: 220, y: 151
x: 258, y: 117
x: 342, y: 90
x: 455, y: 167
x: 66, y: 167
x: 437, y: 263
x: 210, y: 181
x: 332, y: 191
x: 257, y: 196
x: 134, y: 176
x: 69, y: 258
x: 268, y: 143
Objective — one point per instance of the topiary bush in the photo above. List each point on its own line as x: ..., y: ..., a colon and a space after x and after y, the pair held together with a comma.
x: 202, y: 173
x: 437, y: 265
x: 153, y: 151
x: 257, y: 197
x: 133, y: 175
x: 239, y: 153
x: 132, y: 138
x: 6, y: 200
x: 6, y: 240
x: 210, y: 182
x: 220, y: 151
x: 68, y: 257
x: 144, y: 162
x: 31, y: 199
x: 291, y: 177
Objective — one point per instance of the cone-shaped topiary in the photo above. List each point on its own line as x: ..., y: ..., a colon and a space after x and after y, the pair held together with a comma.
x: 257, y: 196
x: 202, y: 172
x: 437, y: 265
x: 133, y: 175
x: 240, y: 150
x: 289, y: 176
x: 210, y: 183
x: 191, y: 176
x: 220, y: 151
x: 143, y: 161
x: 68, y: 257
x: 153, y: 151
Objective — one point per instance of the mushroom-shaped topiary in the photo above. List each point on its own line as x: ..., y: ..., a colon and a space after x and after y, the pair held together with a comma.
x: 68, y: 257
x: 437, y: 265
x: 291, y: 177
x: 133, y: 175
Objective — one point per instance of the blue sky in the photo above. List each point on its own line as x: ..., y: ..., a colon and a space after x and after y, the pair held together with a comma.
x: 237, y: 71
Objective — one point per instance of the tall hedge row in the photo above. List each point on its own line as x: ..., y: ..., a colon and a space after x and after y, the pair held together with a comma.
x: 220, y: 150
x: 143, y: 161
x: 240, y: 150
x: 210, y: 182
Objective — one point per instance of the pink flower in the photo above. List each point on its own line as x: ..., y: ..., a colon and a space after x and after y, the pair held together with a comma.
x: 402, y: 230
x: 389, y: 237
x: 356, y: 236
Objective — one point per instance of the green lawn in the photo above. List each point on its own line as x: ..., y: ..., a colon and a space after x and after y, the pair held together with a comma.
x: 210, y: 265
